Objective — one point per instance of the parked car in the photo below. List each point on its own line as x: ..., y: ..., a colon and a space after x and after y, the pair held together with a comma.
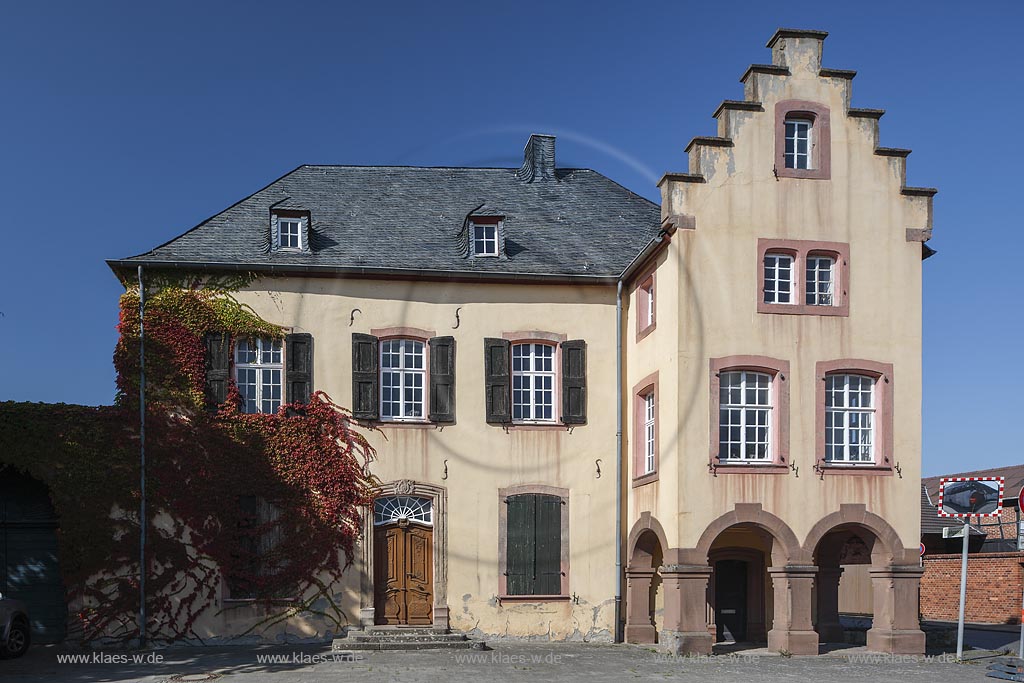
x: 15, y: 633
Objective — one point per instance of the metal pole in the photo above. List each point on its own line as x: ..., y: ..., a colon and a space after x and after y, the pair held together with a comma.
x: 963, y: 593
x: 1020, y: 644
x: 142, y: 464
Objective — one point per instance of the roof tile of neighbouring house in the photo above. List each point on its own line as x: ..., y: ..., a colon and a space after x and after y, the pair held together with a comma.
x: 1014, y: 475
x: 579, y: 223
x: 931, y: 523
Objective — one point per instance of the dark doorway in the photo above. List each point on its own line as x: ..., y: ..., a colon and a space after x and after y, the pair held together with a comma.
x: 29, y: 570
x: 731, y: 600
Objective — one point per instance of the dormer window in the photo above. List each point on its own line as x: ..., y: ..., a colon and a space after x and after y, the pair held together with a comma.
x: 483, y: 237
x: 289, y: 231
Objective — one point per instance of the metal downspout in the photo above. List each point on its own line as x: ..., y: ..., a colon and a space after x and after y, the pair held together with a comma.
x: 618, y: 462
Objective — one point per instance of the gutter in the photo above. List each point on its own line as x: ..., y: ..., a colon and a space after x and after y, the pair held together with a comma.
x: 117, y: 265
x: 656, y: 244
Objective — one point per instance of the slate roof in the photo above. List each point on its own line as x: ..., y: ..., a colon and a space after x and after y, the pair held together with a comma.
x: 931, y: 523
x: 1014, y: 475
x: 578, y: 225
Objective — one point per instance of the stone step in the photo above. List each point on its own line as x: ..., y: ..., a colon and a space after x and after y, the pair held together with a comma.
x: 344, y: 644
x: 404, y: 630
x: 407, y: 637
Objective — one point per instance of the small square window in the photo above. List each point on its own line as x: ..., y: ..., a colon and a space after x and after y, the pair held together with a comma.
x: 485, y: 239
x: 289, y: 233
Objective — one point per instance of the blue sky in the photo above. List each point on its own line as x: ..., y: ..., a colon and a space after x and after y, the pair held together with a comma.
x: 125, y: 123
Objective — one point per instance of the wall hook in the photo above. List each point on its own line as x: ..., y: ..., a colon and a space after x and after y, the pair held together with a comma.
x: 598, y: 463
x: 796, y: 470
x: 352, y: 316
x: 575, y: 598
x: 458, y: 321
x: 445, y: 475
x: 899, y: 470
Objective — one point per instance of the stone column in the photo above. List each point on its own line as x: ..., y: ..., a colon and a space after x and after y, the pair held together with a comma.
x: 896, y: 627
x: 686, y: 630
x: 639, y: 621
x: 792, y: 630
x: 827, y: 583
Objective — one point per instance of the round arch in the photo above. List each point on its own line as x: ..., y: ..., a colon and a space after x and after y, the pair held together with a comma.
x: 856, y: 515
x: 646, y: 524
x: 785, y: 550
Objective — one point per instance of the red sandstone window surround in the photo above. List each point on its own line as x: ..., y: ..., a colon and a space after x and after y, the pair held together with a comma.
x: 803, y: 277
x: 808, y: 121
x: 646, y: 306
x: 840, y: 383
x: 749, y: 398
x: 646, y: 428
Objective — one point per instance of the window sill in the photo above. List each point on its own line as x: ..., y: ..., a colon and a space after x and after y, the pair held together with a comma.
x: 827, y: 468
x: 748, y: 468
x: 640, y: 334
x: 644, y: 479
x: 533, y: 598
x: 805, y: 173
x: 842, y: 310
x: 536, y: 426
x: 405, y: 424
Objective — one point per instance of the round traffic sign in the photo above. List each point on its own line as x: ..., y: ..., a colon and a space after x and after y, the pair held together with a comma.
x: 922, y: 550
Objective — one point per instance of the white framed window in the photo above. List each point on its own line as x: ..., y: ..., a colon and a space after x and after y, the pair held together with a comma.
x: 402, y: 378
x: 403, y: 508
x: 289, y: 233
x: 798, y: 143
x: 744, y: 416
x: 485, y: 239
x: 649, y: 433
x: 820, y: 290
x: 849, y: 418
x: 533, y: 382
x: 778, y: 278
x: 648, y: 308
x: 258, y: 374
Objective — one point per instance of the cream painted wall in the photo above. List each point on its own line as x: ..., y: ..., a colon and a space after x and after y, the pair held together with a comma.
x: 708, y: 295
x: 482, y: 458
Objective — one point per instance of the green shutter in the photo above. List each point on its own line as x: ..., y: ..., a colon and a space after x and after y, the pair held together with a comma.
x: 298, y: 375
x: 442, y: 379
x: 365, y: 377
x: 549, y: 546
x: 574, y: 382
x: 520, y: 553
x: 218, y: 367
x: 497, y: 383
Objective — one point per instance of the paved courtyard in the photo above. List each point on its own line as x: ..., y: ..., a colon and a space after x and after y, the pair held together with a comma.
x: 507, y: 661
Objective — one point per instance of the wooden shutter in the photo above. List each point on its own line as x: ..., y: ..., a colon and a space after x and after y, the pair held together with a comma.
x: 365, y: 377
x: 442, y: 379
x: 218, y: 367
x: 548, y: 544
x: 498, y: 393
x: 574, y: 382
x: 298, y: 374
x: 520, y: 548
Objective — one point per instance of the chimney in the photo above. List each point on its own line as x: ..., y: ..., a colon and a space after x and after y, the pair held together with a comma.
x: 538, y: 159
x: 797, y: 49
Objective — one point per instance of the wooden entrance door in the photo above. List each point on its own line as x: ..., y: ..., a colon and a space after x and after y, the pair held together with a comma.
x: 403, y: 574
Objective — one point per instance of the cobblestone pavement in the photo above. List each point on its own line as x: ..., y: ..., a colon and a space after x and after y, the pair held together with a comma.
x: 507, y: 661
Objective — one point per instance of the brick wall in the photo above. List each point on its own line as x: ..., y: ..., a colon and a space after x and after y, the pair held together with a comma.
x: 993, y: 588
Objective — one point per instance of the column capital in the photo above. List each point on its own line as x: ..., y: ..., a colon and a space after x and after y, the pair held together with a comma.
x: 640, y: 572
x: 694, y: 570
x: 794, y: 571
x: 897, y: 571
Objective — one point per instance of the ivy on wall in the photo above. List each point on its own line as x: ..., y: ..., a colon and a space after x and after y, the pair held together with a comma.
x: 307, y: 463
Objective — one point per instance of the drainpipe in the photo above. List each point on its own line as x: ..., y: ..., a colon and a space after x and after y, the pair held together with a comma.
x: 618, y: 462
x: 142, y: 463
